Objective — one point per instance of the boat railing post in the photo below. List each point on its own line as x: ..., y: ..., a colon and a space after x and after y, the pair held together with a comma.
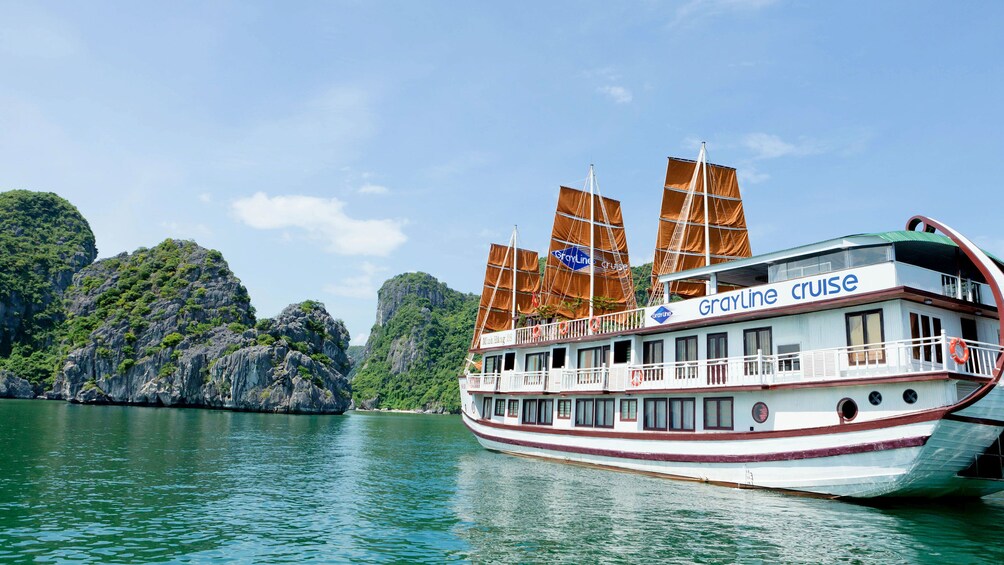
x: 759, y: 365
x: 944, y: 350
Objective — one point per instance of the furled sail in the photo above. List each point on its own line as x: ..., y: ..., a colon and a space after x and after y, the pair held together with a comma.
x: 508, y: 268
x: 680, y: 243
x: 567, y: 270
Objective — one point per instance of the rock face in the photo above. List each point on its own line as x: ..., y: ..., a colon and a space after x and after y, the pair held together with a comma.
x: 417, y: 346
x: 172, y: 326
x: 43, y: 241
x: 15, y: 387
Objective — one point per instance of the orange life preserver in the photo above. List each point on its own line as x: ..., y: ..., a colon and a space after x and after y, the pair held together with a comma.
x: 536, y: 332
x: 636, y: 376
x: 594, y: 324
x: 963, y: 356
x: 563, y: 327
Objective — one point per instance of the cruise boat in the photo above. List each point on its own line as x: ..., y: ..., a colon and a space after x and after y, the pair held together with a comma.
x: 863, y: 366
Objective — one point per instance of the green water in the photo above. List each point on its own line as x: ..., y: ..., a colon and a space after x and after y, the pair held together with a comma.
x: 125, y: 484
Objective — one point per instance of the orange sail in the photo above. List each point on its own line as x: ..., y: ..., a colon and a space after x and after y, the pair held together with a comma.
x: 567, y: 271
x: 680, y: 244
x: 508, y: 268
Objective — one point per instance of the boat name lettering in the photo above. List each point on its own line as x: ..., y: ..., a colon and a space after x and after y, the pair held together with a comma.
x: 800, y: 291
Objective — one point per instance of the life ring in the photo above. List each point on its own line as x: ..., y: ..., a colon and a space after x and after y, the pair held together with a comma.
x: 563, y: 328
x: 962, y: 357
x: 636, y: 376
x: 594, y: 324
x: 536, y: 332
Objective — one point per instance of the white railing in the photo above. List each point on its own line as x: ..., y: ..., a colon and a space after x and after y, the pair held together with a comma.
x: 840, y: 363
x: 570, y: 329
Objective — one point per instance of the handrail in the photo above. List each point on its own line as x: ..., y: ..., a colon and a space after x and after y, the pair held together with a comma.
x: 896, y: 357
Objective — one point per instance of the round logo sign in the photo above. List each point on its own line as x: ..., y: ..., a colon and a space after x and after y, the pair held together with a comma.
x: 760, y: 412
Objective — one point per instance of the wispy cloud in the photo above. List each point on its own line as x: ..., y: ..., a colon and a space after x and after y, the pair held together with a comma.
x: 618, y: 94
x: 323, y: 220
x: 362, y: 285
x: 372, y: 189
x: 186, y: 230
x: 27, y: 32
x: 770, y: 146
x: 205, y: 197
x: 697, y: 10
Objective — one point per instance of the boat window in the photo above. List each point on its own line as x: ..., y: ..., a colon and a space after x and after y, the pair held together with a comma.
x: 513, y: 408
x: 651, y: 352
x: 717, y: 354
x: 530, y: 411
x: 756, y: 340
x: 486, y: 408
x: 788, y: 358
x: 545, y: 412
x: 493, y: 364
x: 686, y: 357
x: 807, y: 266
x: 510, y: 361
x: 558, y: 358
x: 536, y: 362
x: 622, y: 351
x: 861, y: 256
x: 604, y: 413
x: 681, y: 414
x: 500, y: 407
x: 718, y: 413
x: 924, y: 327
x: 564, y: 409
x: 655, y: 414
x: 589, y: 358
x: 629, y: 410
x: 865, y: 337
x: 584, y: 412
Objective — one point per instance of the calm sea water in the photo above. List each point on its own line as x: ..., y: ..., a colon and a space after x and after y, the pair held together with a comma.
x: 126, y: 484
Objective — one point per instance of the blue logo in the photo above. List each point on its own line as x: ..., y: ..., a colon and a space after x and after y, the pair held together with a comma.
x: 661, y: 314
x: 573, y: 257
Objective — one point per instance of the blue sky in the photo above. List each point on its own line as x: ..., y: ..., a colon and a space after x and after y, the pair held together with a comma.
x: 324, y: 147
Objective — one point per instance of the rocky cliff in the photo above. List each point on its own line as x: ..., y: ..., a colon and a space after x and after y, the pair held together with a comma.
x: 173, y: 326
x: 416, y: 348
x: 43, y: 241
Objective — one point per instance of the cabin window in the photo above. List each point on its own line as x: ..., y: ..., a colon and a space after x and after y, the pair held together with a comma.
x: 681, y: 414
x: 558, y: 358
x: 589, y: 358
x: 756, y: 340
x: 584, y: 412
x: 686, y: 357
x: 536, y: 362
x: 545, y: 412
x: 922, y: 329
x: 629, y: 410
x: 513, y: 408
x: 604, y: 413
x: 865, y: 337
x: 530, y: 411
x: 788, y: 357
x: 510, y: 361
x: 493, y: 364
x: 718, y: 351
x: 486, y: 408
x: 622, y: 351
x: 651, y: 352
x: 655, y: 414
x: 500, y: 407
x: 718, y: 413
x: 564, y: 409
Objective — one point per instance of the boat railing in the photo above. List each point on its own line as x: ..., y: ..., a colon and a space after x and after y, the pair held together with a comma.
x: 928, y: 354
x: 615, y: 322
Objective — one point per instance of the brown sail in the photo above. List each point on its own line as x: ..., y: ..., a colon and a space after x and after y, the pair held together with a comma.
x: 566, y: 273
x: 727, y: 233
x: 495, y: 312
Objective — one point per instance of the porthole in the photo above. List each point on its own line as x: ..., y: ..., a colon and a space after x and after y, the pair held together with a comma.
x: 875, y: 398
x: 760, y: 412
x: 909, y: 396
x: 847, y: 409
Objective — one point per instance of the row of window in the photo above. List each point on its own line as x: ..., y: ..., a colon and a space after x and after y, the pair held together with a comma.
x: 864, y: 333
x: 657, y: 413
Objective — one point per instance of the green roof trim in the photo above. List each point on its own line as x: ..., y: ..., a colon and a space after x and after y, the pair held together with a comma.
x: 926, y: 237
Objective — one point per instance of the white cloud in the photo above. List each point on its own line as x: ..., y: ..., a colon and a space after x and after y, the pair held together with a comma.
x: 187, y: 231
x: 205, y: 198
x: 362, y: 285
x: 373, y: 189
x: 618, y: 94
x: 769, y: 146
x: 324, y: 220
x: 696, y: 10
x: 750, y: 175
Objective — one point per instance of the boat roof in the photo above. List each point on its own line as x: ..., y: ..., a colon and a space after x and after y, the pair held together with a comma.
x: 908, y: 242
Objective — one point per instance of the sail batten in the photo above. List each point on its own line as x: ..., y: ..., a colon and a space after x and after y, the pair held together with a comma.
x: 718, y: 234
